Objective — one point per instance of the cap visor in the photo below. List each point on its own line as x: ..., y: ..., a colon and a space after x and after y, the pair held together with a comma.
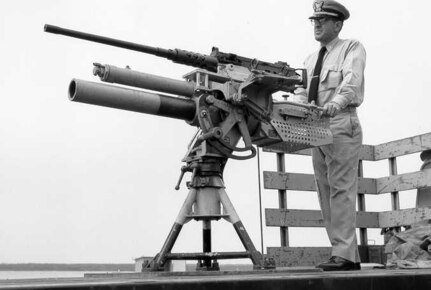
x: 323, y: 14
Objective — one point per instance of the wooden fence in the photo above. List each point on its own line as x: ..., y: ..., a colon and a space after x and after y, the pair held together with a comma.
x: 394, y: 183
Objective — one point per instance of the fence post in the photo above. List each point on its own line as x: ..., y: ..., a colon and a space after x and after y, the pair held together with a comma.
x: 282, y: 200
x: 395, y: 198
x: 363, y: 234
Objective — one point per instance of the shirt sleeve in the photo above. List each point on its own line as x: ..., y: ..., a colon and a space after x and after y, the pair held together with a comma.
x: 300, y: 94
x: 351, y: 88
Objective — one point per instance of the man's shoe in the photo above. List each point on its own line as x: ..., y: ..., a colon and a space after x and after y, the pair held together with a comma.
x: 339, y: 264
x: 357, y: 266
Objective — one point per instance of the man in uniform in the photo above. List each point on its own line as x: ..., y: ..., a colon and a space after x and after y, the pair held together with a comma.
x: 336, y: 74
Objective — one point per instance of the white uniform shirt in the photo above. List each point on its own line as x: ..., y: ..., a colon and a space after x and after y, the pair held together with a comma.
x: 342, y: 75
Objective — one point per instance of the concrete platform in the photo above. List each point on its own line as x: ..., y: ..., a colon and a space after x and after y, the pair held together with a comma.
x: 309, y: 279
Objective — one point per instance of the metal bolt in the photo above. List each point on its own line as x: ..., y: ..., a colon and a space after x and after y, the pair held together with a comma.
x: 210, y: 99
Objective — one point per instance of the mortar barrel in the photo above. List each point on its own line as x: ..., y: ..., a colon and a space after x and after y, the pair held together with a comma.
x: 131, y: 100
x: 128, y: 77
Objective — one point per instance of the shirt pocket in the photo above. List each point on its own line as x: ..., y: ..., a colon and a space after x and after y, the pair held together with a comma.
x: 331, y: 78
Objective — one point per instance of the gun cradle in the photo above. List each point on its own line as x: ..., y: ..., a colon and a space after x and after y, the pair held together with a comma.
x: 214, y: 102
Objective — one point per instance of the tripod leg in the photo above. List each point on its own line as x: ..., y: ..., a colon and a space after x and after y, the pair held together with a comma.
x: 233, y: 218
x: 182, y: 218
x: 255, y: 255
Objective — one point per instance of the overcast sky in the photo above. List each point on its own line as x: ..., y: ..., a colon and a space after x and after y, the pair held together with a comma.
x: 81, y: 183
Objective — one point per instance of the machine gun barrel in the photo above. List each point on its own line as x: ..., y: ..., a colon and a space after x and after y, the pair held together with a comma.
x: 176, y: 55
x: 131, y: 100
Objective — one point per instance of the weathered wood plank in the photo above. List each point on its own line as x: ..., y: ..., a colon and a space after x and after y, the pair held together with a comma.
x: 403, y: 217
x: 387, y: 150
x: 367, y: 219
x: 366, y: 153
x: 309, y: 256
x: 288, y: 181
x: 305, y: 182
x: 293, y: 218
x: 401, y: 147
x: 298, y: 256
x: 275, y: 217
x: 405, y: 181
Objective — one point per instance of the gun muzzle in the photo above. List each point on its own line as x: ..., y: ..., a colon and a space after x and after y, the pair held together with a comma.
x: 131, y: 100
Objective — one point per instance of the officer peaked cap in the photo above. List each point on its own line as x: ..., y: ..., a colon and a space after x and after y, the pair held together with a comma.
x: 332, y: 8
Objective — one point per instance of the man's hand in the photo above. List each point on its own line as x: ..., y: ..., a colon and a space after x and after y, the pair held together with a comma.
x: 331, y: 109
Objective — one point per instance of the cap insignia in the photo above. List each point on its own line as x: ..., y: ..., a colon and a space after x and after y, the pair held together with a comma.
x: 318, y: 6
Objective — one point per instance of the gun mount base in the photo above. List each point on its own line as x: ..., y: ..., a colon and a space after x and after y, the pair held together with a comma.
x: 206, y: 201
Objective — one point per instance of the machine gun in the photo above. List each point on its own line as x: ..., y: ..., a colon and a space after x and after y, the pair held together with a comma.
x: 229, y: 99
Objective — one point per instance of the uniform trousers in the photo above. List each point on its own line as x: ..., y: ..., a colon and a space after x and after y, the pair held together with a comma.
x: 336, y: 176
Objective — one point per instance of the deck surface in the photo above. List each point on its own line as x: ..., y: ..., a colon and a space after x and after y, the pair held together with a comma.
x: 267, y: 280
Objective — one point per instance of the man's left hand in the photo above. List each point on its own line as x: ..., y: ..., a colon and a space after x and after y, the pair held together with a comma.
x: 331, y: 109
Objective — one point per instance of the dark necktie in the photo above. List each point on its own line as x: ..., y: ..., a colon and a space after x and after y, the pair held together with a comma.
x: 315, y: 80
